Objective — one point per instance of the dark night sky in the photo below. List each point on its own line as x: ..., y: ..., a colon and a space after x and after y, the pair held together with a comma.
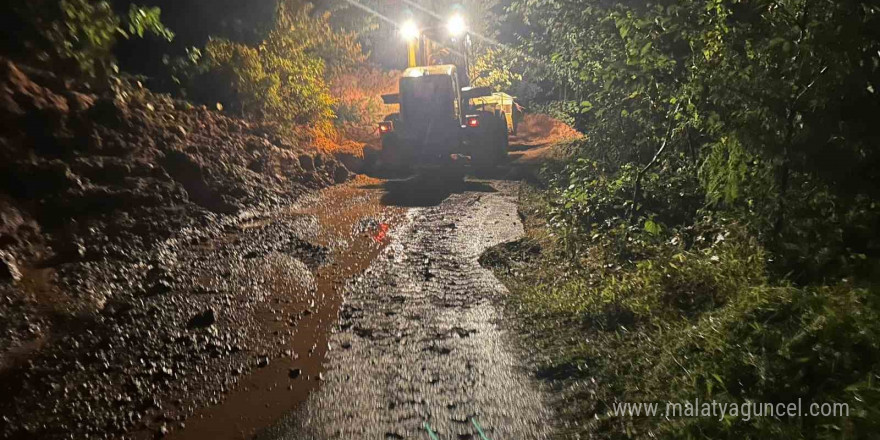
x: 194, y: 21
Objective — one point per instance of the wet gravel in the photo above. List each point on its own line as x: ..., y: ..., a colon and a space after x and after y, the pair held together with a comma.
x: 421, y: 339
x: 367, y: 315
x: 141, y: 240
x: 185, y: 323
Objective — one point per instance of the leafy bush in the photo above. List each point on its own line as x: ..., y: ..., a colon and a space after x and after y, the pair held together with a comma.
x: 714, y: 235
x: 776, y: 345
x: 693, y: 315
x: 284, y: 78
x: 359, y: 96
x: 506, y: 71
x: 594, y: 196
x: 561, y: 110
x: 767, y: 100
x: 79, y: 32
x: 359, y: 107
x: 274, y: 81
x: 339, y: 49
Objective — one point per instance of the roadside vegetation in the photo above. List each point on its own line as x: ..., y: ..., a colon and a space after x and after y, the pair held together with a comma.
x: 714, y: 234
x: 285, y: 78
x: 279, y: 72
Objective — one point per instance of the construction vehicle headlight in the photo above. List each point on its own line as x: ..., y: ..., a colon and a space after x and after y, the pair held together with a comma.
x: 386, y: 127
x: 409, y: 30
x: 456, y: 25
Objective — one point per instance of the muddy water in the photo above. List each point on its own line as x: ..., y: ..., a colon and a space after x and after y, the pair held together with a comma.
x: 355, y: 226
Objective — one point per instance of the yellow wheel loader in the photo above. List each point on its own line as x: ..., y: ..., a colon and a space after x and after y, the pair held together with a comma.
x: 439, y: 124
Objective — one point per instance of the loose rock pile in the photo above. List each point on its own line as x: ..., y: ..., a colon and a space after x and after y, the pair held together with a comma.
x: 103, y: 195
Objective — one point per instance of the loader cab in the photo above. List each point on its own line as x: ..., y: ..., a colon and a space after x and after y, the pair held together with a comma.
x: 430, y: 95
x: 438, y: 121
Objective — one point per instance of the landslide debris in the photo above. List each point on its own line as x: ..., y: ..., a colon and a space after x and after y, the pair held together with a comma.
x: 123, y: 303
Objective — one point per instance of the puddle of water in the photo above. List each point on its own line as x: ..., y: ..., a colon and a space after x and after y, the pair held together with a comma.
x: 268, y: 393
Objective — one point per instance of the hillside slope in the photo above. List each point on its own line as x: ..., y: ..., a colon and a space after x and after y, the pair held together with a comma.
x: 99, y: 192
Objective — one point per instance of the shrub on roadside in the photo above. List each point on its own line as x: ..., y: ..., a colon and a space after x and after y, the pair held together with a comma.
x: 359, y: 107
x: 275, y: 81
x: 285, y: 79
x: 777, y: 344
x: 591, y: 197
x: 561, y: 110
x: 691, y: 313
x: 76, y: 33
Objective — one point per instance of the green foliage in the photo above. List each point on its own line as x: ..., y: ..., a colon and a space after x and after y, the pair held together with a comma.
x: 285, y: 78
x: 81, y: 32
x: 276, y: 81
x: 236, y: 76
x: 692, y: 314
x: 313, y: 34
x: 505, y: 71
x: 142, y: 21
x: 85, y: 34
x: 591, y: 197
x: 775, y: 345
x: 746, y: 268
x: 561, y: 110
x: 358, y: 97
x: 769, y: 101
x: 492, y: 69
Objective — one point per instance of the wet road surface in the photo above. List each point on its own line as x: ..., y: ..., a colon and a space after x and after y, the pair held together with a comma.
x: 421, y: 339
x: 350, y: 223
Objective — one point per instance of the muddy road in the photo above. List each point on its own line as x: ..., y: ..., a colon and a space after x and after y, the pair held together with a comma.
x: 410, y: 335
x: 178, y: 273
x: 421, y: 342
x: 359, y: 312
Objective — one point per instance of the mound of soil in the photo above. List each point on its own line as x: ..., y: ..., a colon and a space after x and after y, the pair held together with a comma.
x: 92, y: 174
x: 537, y: 129
x: 99, y: 195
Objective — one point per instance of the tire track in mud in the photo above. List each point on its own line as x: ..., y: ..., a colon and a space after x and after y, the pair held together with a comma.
x: 347, y: 224
x: 419, y: 339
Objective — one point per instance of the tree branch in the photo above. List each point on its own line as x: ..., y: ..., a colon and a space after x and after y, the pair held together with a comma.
x: 638, y: 184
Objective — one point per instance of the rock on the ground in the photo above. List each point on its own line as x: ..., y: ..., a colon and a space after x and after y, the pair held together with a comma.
x: 9, y: 268
x: 204, y: 319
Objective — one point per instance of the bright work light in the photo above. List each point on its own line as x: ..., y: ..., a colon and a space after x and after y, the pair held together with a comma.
x: 456, y: 25
x: 409, y: 30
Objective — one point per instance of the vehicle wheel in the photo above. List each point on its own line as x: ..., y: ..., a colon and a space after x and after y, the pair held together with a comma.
x: 503, y: 140
x: 494, y: 148
x: 390, y: 146
x: 393, y: 156
x: 487, y: 152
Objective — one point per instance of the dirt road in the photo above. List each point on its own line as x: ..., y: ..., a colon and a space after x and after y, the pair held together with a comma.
x: 421, y: 342
x: 359, y: 313
x: 187, y: 275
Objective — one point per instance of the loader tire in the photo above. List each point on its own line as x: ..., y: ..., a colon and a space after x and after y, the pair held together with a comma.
x: 503, y: 141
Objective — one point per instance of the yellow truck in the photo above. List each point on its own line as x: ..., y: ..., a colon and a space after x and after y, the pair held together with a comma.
x: 502, y: 105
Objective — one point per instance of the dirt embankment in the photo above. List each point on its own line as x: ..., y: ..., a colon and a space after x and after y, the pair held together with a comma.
x: 98, y: 193
x: 538, y: 129
x: 536, y: 136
